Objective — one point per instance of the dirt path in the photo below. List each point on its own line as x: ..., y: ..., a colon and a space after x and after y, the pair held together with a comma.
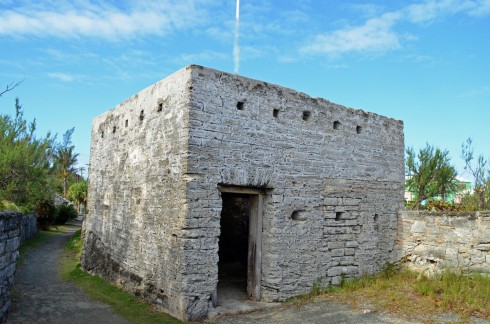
x: 311, y: 313
x: 42, y: 297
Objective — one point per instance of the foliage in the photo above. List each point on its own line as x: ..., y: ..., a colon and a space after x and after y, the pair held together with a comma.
x: 478, y: 169
x: 24, y: 161
x: 64, y: 213
x: 446, y: 180
x: 409, y: 294
x: 65, y: 159
x: 46, y: 214
x: 7, y: 205
x: 78, y: 193
x: 429, y: 173
x: 440, y: 205
x: 121, y: 302
x: 470, y: 202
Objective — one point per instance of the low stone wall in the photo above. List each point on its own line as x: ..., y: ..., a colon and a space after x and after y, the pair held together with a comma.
x: 15, y: 227
x: 432, y: 241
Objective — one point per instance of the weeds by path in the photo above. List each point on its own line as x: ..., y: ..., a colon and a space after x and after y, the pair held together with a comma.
x: 410, y: 295
x: 121, y: 302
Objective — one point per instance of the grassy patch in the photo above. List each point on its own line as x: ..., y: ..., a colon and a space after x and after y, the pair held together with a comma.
x: 121, y: 302
x: 409, y: 294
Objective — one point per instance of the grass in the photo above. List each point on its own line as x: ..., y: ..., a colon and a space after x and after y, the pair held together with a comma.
x: 408, y: 294
x: 121, y: 302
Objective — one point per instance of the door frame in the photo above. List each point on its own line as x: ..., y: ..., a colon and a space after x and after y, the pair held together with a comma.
x: 254, y: 253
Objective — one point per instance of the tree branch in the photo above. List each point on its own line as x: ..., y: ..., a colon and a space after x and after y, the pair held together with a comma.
x: 10, y: 87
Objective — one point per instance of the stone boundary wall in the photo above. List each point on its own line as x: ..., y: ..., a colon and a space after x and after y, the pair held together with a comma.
x: 430, y: 242
x: 15, y: 227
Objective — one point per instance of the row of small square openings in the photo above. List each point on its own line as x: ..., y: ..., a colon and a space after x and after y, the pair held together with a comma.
x: 306, y: 117
x: 141, y: 118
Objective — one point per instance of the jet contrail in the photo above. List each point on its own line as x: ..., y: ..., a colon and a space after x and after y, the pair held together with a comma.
x: 236, y: 48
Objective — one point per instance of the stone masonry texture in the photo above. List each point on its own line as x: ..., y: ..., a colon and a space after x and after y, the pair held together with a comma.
x: 15, y: 227
x: 332, y: 179
x: 430, y: 242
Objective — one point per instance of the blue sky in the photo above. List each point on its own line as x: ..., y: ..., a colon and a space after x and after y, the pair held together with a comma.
x: 424, y: 62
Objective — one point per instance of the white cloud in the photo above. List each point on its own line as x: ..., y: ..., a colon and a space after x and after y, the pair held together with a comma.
x: 378, y: 34
x: 374, y: 36
x: 485, y: 90
x: 481, y: 9
x: 99, y: 19
x: 434, y: 9
x: 62, y: 76
x: 365, y: 9
x: 199, y: 58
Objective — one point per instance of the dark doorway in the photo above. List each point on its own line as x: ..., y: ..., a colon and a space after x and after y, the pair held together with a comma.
x: 240, y: 245
x: 233, y: 245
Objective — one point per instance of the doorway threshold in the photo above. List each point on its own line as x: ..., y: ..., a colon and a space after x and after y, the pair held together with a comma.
x: 232, y: 298
x: 237, y: 306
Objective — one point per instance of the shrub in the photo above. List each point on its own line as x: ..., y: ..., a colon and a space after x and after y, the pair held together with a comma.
x: 7, y: 205
x: 440, y: 205
x: 45, y: 213
x: 64, y: 213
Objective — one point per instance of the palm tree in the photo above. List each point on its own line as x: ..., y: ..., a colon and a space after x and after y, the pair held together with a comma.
x: 78, y: 192
x: 65, y: 159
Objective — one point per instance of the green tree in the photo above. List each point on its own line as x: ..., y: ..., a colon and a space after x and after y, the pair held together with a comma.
x: 65, y: 159
x: 429, y: 173
x: 446, y: 180
x: 24, y: 161
x: 78, y: 193
x: 478, y: 169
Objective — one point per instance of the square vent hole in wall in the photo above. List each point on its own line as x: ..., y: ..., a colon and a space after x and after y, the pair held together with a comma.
x: 275, y: 113
x: 336, y: 125
x: 306, y: 115
x: 359, y: 129
x: 240, y: 105
x: 338, y: 215
x: 298, y: 215
x: 160, y: 107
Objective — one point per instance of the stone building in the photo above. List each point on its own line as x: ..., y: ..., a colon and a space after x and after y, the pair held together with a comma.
x: 207, y: 178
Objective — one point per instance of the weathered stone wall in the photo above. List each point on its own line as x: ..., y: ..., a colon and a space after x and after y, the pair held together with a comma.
x: 15, y: 227
x: 137, y: 193
x: 332, y: 177
x: 430, y: 242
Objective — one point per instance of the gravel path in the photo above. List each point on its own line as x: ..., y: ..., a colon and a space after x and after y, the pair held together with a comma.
x: 42, y: 297
x: 311, y: 313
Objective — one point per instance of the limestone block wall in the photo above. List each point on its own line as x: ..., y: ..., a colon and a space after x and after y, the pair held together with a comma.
x: 15, y: 227
x: 137, y: 195
x: 332, y: 179
x: 433, y: 241
x: 332, y: 176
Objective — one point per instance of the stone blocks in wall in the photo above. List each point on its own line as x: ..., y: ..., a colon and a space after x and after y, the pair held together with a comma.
x: 433, y: 241
x: 331, y: 179
x: 14, y: 228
